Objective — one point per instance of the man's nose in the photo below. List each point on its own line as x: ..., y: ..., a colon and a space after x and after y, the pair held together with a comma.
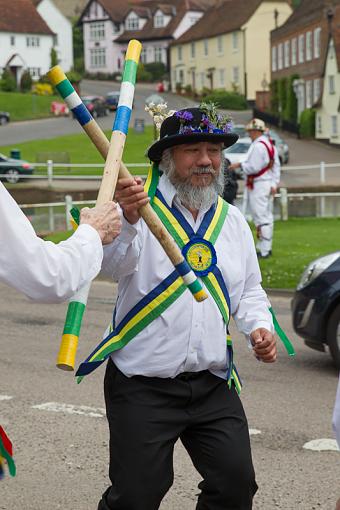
x: 204, y: 158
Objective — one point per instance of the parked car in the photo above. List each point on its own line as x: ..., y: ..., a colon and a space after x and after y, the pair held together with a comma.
x: 14, y: 168
x: 237, y: 152
x: 240, y: 130
x: 316, y: 305
x: 281, y: 146
x: 112, y: 99
x: 96, y: 105
x: 4, y: 118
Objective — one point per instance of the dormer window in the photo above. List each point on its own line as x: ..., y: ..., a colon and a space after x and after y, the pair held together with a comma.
x: 132, y: 23
x: 159, y: 20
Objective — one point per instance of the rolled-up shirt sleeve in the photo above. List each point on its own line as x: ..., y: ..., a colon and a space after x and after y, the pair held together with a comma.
x: 122, y: 255
x: 42, y: 270
x: 252, y: 311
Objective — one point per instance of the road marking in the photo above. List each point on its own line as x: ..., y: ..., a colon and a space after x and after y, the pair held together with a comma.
x: 56, y: 407
x: 254, y: 432
x: 5, y: 397
x: 322, y: 445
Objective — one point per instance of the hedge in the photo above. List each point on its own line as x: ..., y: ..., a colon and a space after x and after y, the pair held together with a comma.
x: 307, y: 123
x: 228, y: 100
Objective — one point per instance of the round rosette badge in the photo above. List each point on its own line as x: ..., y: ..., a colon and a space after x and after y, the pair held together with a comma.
x: 201, y: 256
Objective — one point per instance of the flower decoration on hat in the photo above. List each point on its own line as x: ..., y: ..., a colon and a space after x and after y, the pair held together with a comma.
x: 211, y: 122
x: 159, y: 112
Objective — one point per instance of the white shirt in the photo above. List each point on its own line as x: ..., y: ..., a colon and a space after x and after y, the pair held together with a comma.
x: 40, y: 269
x: 188, y: 336
x: 258, y: 158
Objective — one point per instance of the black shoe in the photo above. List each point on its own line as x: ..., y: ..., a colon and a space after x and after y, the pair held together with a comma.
x: 260, y: 256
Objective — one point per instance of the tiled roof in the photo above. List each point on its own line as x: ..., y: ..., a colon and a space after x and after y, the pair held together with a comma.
x: 309, y: 11
x: 21, y: 16
x: 229, y: 16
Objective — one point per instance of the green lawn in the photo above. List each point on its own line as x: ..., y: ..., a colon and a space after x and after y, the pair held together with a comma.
x: 296, y: 243
x: 26, y: 106
x: 82, y: 150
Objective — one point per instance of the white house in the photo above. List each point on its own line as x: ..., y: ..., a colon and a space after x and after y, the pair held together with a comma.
x: 327, y: 125
x: 62, y: 28
x: 110, y: 25
x: 25, y: 39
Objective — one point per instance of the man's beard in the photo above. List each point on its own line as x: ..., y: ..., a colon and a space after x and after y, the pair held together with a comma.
x: 194, y: 197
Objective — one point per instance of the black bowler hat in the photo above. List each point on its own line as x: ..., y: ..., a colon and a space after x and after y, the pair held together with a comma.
x: 192, y: 125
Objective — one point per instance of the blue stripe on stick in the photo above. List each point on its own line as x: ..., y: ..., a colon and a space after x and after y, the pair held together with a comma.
x: 82, y: 114
x: 183, y: 268
x: 122, y: 119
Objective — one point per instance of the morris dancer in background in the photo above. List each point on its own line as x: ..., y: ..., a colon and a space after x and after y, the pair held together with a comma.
x: 47, y: 272
x: 176, y: 379
x: 262, y: 172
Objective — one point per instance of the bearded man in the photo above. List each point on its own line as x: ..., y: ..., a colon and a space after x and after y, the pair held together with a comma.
x: 175, y: 377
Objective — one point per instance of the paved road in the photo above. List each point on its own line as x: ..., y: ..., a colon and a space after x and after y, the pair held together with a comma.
x: 60, y: 433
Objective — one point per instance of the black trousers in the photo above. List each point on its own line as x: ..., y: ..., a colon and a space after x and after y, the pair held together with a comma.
x: 148, y: 415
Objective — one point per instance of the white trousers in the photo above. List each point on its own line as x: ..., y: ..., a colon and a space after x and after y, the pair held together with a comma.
x: 260, y: 203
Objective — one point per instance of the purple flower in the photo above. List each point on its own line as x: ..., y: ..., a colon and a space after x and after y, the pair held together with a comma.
x: 228, y: 127
x: 184, y: 116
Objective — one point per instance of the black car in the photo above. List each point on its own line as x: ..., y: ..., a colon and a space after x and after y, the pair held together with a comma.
x: 96, y: 106
x: 316, y: 305
x: 14, y: 168
x: 111, y: 100
x: 4, y: 118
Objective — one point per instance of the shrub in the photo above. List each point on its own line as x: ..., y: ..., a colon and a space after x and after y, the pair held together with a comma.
x: 143, y: 74
x: 228, y: 100
x: 42, y: 89
x: 26, y: 82
x: 307, y: 123
x: 8, y: 83
x: 274, y: 96
x: 156, y: 69
x: 290, y: 111
x: 178, y: 87
x: 54, y: 57
x: 74, y: 77
x: 282, y: 94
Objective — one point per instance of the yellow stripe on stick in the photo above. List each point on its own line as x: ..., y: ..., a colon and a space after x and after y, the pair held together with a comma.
x: 56, y: 75
x: 133, y: 51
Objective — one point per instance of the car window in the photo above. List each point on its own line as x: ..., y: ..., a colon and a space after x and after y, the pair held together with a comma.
x: 240, y: 148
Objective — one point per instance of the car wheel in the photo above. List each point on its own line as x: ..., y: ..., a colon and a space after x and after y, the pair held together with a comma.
x: 333, y: 336
x: 12, y: 175
x: 3, y: 121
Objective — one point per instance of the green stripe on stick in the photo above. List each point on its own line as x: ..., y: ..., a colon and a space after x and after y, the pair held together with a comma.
x: 130, y: 71
x: 74, y: 317
x: 65, y: 88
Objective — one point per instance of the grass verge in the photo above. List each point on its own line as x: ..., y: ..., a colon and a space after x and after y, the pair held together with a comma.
x: 26, y: 106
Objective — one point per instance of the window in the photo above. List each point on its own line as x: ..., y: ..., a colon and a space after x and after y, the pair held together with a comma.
x: 274, y: 58
x: 236, y: 75
x: 301, y: 49
x: 280, y: 56
x: 158, y: 54
x: 35, y: 72
x: 179, y: 52
x: 331, y: 84
x: 317, y: 90
x: 205, y: 47
x: 220, y: 45
x: 309, y: 46
x: 97, y: 31
x: 287, y: 53
x: 192, y: 50
x: 309, y: 93
x: 32, y: 41
x: 317, y: 42
x: 12, y: 40
x: 235, y: 41
x: 98, y: 57
x: 221, y: 77
x: 294, y: 51
x: 159, y: 20
x: 143, y: 56
x: 319, y: 123
x: 334, y: 125
x: 132, y: 23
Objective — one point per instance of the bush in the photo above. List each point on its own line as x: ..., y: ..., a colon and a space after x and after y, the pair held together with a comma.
x: 290, y: 111
x: 274, y: 96
x: 143, y: 74
x: 307, y: 123
x: 74, y: 77
x: 54, y: 57
x: 156, y: 69
x: 26, y: 82
x: 8, y: 83
x: 178, y: 87
x: 42, y: 89
x: 227, y: 100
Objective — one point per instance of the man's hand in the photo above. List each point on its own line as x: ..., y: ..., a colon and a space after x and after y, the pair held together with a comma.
x: 131, y: 197
x: 234, y: 166
x: 105, y: 219
x: 273, y: 190
x: 264, y: 345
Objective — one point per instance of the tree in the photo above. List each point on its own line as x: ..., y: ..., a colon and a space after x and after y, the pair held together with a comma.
x: 26, y: 81
x: 8, y: 83
x: 54, y: 57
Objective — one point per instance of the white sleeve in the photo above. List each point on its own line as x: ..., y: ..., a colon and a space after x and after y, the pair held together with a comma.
x: 122, y: 255
x: 276, y: 170
x: 253, y: 309
x: 257, y: 159
x: 336, y: 415
x: 42, y: 270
